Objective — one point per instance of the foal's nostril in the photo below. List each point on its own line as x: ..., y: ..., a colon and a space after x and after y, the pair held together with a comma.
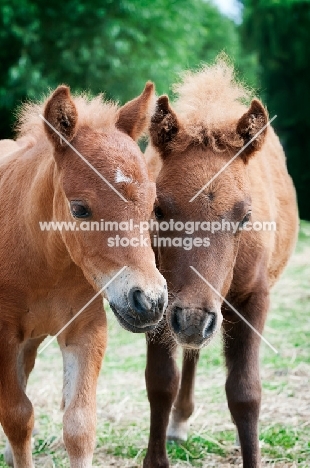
x: 176, y: 319
x: 138, y: 301
x: 162, y: 302
x: 210, y: 325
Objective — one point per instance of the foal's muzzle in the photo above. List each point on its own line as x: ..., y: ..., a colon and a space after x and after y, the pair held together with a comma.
x: 143, y: 305
x: 193, y: 327
x: 144, y: 311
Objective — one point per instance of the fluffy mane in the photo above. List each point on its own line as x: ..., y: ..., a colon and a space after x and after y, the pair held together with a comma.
x: 93, y: 112
x: 210, y: 102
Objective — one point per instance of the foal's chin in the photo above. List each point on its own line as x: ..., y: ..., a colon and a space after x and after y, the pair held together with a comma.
x: 195, y: 344
x: 128, y: 323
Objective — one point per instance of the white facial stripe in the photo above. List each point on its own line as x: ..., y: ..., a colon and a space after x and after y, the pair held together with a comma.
x: 120, y: 177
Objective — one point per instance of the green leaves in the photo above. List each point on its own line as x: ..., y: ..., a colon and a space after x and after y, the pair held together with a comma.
x: 278, y: 31
x: 112, y: 46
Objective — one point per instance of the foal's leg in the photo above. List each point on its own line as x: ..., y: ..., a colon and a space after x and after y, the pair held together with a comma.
x: 82, y: 349
x: 16, y: 412
x: 184, y: 405
x: 25, y: 363
x: 162, y: 381
x: 243, y: 387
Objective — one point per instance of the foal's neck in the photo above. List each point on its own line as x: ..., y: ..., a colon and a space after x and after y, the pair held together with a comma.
x: 43, y: 195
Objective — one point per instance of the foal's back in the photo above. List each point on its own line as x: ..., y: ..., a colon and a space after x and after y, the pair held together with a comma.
x: 274, y: 200
x: 9, y: 148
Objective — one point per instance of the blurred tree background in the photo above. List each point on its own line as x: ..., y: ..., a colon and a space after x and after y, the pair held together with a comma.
x: 115, y: 46
x: 279, y: 33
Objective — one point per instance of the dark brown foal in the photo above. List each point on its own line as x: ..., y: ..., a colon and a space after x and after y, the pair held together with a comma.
x: 217, y: 163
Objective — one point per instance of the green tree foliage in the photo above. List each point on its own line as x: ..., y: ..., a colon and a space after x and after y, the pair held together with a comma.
x: 279, y: 30
x: 113, y: 46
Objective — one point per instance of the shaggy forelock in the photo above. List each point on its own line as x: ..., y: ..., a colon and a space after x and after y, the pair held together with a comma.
x: 210, y: 102
x: 92, y: 112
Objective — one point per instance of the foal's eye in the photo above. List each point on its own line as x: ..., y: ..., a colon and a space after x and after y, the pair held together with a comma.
x: 158, y: 212
x: 79, y: 209
x: 245, y: 219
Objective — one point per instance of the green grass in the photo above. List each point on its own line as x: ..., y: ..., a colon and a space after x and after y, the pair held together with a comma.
x: 123, y: 412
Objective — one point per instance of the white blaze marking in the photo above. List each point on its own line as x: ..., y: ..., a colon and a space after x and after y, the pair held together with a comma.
x: 120, y: 177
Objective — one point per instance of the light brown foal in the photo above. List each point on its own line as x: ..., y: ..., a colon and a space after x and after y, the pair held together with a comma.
x: 46, y: 277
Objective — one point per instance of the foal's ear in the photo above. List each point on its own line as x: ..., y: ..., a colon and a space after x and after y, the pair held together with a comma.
x: 251, y: 123
x: 60, y: 112
x: 164, y: 125
x: 133, y: 117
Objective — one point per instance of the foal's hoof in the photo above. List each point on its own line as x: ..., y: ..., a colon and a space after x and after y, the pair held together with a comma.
x: 177, y: 431
x: 8, y: 456
x: 155, y: 463
x: 237, y: 441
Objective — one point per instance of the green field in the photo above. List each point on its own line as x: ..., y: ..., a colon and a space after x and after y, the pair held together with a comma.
x: 123, y: 408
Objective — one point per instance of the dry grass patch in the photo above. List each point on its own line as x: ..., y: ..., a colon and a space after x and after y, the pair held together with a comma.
x: 123, y: 411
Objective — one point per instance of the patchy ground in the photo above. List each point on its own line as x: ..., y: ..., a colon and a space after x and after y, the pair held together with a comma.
x: 123, y: 408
